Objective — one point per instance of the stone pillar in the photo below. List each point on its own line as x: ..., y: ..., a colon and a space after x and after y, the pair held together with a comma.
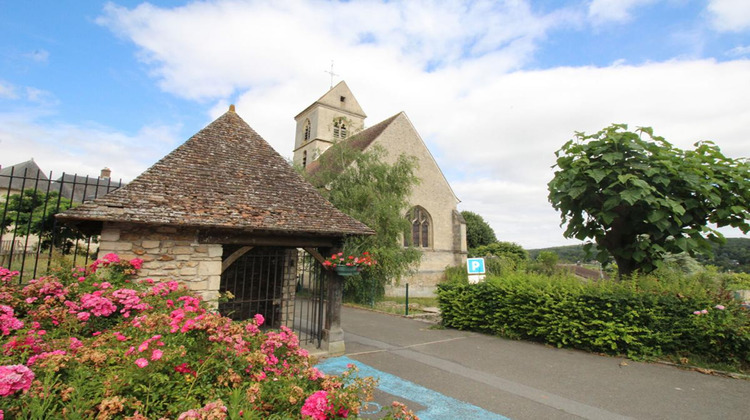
x: 333, y: 334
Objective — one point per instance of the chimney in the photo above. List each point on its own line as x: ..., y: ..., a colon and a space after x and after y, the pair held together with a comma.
x: 106, y: 172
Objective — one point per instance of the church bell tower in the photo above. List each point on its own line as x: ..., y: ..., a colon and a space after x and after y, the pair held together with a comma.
x: 332, y: 118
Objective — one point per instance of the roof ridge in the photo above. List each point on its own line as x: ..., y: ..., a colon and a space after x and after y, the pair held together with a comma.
x: 224, y: 176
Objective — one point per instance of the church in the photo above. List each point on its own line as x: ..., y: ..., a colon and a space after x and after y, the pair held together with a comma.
x: 438, y: 229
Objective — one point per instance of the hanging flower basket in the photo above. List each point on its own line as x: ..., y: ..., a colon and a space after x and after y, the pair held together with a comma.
x: 346, y: 271
x: 348, y: 265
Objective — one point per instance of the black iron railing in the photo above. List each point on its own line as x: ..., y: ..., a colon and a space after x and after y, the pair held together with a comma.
x: 31, y: 239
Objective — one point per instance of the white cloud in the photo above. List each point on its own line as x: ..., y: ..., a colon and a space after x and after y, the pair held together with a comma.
x: 603, y: 11
x: 730, y: 15
x: 7, y: 90
x: 455, y: 68
x: 84, y: 150
x: 211, y: 50
x: 739, y: 51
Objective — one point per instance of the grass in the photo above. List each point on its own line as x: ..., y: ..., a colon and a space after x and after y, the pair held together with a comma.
x: 397, y: 305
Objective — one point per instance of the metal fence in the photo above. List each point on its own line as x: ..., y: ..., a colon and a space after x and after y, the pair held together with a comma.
x: 31, y: 239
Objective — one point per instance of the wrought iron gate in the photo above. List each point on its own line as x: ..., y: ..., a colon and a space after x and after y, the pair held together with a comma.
x: 284, y: 285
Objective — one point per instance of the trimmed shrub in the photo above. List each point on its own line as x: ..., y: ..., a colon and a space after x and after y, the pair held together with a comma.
x: 641, y: 317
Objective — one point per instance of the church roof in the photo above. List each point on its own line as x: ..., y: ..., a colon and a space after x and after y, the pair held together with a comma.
x: 341, y: 98
x: 359, y: 141
x: 228, y: 177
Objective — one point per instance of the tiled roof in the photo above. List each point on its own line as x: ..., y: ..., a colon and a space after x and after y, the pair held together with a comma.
x: 226, y: 176
x: 359, y: 141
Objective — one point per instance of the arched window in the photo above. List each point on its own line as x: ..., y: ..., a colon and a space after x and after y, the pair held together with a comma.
x: 307, y: 130
x: 339, y: 129
x: 304, y: 158
x: 421, y: 227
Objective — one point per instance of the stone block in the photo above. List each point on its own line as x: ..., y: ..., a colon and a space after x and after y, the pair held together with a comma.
x: 215, y: 251
x: 149, y: 244
x: 110, y: 235
x: 166, y: 258
x: 202, y: 249
x: 182, y: 250
x: 214, y: 282
x: 188, y: 271
x: 122, y: 246
x: 209, y: 268
x: 197, y: 284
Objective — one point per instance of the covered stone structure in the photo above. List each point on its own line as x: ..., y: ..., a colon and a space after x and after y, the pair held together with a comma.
x: 210, y: 201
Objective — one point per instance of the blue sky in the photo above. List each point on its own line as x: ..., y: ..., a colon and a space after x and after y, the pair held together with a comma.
x: 494, y: 88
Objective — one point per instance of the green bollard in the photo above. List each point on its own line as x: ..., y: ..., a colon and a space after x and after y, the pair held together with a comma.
x: 407, y: 299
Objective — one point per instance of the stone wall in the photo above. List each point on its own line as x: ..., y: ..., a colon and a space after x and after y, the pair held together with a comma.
x: 168, y: 253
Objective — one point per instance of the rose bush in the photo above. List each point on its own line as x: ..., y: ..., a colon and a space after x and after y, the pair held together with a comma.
x: 93, y: 343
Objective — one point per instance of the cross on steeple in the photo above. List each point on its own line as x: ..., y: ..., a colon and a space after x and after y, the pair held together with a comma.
x: 331, y: 73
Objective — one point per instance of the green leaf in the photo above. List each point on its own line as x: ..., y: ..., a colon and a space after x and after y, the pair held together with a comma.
x: 630, y: 196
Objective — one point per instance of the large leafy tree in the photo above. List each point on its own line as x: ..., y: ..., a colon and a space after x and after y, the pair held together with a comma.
x: 363, y: 185
x: 478, y: 231
x: 640, y: 198
x: 33, y: 213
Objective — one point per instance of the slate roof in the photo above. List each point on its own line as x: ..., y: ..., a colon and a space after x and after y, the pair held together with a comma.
x: 79, y: 188
x: 34, y: 177
x: 359, y: 141
x: 226, y: 177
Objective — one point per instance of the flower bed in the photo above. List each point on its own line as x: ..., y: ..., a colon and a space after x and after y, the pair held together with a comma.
x: 93, y: 343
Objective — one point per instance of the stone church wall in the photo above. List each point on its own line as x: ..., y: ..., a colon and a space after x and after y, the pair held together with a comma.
x: 448, y: 242
x: 168, y: 253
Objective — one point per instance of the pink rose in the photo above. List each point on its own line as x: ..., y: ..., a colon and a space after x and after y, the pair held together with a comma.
x: 141, y: 363
x: 156, y: 354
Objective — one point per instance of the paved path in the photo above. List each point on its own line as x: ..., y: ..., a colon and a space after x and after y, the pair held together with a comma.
x: 449, y: 374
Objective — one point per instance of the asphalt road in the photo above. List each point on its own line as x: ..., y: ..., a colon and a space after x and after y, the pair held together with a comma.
x: 449, y: 374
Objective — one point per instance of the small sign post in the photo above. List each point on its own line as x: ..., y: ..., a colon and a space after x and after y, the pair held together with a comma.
x: 475, y: 268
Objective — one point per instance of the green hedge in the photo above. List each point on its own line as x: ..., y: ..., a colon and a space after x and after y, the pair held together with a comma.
x: 639, y: 318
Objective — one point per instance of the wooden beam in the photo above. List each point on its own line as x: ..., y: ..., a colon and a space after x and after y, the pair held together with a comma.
x: 314, y: 252
x: 250, y: 239
x: 232, y: 258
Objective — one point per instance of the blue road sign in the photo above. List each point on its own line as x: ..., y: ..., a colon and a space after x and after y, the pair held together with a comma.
x: 475, y: 265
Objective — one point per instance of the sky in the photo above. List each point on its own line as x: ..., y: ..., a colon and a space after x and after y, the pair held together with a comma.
x: 493, y: 87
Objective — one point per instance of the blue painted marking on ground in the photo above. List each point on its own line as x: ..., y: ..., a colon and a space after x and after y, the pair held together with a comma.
x: 439, y: 406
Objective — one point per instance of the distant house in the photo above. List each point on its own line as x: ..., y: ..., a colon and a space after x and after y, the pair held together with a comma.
x: 77, y: 188
x: 21, y: 176
x: 80, y: 189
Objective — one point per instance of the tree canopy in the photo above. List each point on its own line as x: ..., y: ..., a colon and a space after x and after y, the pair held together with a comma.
x: 641, y: 198
x: 364, y: 186
x: 478, y: 231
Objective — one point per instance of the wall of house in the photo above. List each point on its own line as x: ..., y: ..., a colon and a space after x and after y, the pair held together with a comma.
x: 168, y: 253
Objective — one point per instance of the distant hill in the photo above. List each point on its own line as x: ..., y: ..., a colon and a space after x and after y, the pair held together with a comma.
x: 569, y: 254
x: 732, y: 256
